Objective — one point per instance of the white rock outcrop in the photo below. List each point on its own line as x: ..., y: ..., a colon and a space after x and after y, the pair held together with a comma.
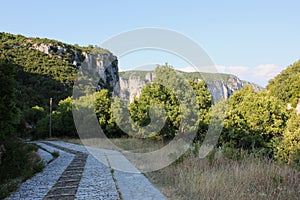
x: 132, y: 87
x: 103, y: 64
x: 45, y: 48
x: 106, y: 67
x: 298, y: 108
x: 132, y: 82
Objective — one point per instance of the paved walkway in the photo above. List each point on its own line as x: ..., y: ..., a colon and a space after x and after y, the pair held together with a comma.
x: 76, y: 174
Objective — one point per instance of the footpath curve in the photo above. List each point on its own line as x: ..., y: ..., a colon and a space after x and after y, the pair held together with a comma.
x: 76, y: 174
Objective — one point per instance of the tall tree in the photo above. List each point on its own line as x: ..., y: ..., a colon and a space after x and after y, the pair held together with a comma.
x: 186, y: 104
x: 9, y: 115
x: 253, y: 119
x: 286, y: 85
x: 204, y: 101
x: 103, y: 108
x: 287, y: 148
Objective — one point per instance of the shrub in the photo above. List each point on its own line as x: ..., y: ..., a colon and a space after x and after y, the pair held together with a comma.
x: 288, y: 148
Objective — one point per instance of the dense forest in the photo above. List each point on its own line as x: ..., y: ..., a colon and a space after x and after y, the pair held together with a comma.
x: 255, y: 121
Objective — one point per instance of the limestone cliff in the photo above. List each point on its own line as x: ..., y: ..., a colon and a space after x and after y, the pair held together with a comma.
x: 104, y: 63
x: 132, y: 83
x: 224, y: 88
x: 220, y: 86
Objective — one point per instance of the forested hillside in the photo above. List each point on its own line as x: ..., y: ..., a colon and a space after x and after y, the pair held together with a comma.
x: 286, y: 85
x: 44, y: 69
x: 17, y: 159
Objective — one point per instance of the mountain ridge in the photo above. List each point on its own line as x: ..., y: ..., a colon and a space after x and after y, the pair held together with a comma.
x: 221, y: 85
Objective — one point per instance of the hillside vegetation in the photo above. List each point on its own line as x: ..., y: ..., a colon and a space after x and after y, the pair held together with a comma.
x: 17, y: 160
x: 41, y: 75
x: 286, y: 85
x: 210, y: 77
x: 44, y: 69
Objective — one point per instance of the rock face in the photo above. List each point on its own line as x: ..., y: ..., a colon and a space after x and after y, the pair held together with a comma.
x: 132, y: 82
x: 105, y: 64
x: 298, y: 108
x: 223, y: 89
x: 132, y: 86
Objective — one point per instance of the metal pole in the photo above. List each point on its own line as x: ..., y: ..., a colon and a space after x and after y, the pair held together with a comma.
x: 50, y: 126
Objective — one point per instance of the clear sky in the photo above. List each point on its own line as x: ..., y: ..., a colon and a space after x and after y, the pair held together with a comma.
x: 252, y: 39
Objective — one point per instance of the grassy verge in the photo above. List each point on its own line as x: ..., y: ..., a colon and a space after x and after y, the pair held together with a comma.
x: 215, y: 177
x: 127, y: 144
x: 223, y: 178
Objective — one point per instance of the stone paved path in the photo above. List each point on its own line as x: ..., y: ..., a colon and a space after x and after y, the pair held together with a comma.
x: 67, y: 184
x: 76, y: 174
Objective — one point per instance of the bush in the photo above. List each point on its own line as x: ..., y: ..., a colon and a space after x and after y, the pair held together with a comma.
x: 19, y: 160
x: 253, y: 120
x: 62, y: 121
x: 287, y: 149
x: 19, y: 163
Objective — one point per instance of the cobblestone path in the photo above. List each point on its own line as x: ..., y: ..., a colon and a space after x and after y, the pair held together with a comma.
x: 66, y: 186
x: 76, y: 174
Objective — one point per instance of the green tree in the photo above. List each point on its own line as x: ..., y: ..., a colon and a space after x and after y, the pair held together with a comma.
x: 253, y: 119
x: 160, y: 93
x: 186, y: 104
x: 102, y: 106
x: 103, y: 110
x: 287, y: 148
x: 152, y: 95
x: 9, y: 114
x: 63, y: 123
x: 119, y: 119
x: 42, y: 128
x: 286, y: 85
x: 31, y: 116
x: 204, y: 101
x: 14, y: 155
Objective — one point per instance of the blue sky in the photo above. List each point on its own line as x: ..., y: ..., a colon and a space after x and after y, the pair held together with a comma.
x: 252, y: 39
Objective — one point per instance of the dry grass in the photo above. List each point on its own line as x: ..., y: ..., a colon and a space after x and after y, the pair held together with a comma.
x: 127, y: 144
x: 251, y: 178
x: 222, y: 178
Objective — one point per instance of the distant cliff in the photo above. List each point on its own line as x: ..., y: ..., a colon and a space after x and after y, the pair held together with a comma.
x: 220, y: 85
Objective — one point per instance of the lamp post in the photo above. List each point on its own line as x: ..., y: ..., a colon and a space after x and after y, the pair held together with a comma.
x: 50, y: 122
